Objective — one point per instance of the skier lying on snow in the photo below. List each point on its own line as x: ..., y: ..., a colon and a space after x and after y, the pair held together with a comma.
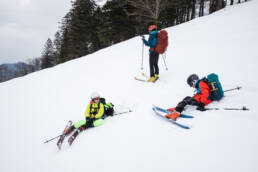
x: 200, y: 99
x: 95, y: 113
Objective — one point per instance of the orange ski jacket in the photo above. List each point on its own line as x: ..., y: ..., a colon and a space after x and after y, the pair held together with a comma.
x: 203, y: 92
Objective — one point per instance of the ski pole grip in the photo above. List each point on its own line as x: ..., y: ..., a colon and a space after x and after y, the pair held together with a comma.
x: 244, y: 108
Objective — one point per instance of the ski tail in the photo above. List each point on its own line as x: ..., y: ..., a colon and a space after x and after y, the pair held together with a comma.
x: 72, y: 138
x: 61, y: 138
x: 142, y: 80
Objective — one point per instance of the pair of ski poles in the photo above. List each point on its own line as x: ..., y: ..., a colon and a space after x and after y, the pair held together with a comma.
x: 244, y: 108
x: 161, y: 55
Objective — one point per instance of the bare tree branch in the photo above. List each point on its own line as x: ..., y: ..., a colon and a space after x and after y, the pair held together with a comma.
x: 149, y: 8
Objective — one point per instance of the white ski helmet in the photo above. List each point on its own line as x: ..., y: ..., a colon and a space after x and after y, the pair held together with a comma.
x: 94, y: 95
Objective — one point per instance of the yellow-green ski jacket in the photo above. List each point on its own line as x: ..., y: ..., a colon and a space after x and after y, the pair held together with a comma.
x: 94, y: 110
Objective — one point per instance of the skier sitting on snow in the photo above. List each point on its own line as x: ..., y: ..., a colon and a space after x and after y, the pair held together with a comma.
x: 94, y: 115
x: 200, y: 99
x: 154, y: 56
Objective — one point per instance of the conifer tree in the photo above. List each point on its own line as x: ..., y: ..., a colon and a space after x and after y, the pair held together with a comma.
x: 57, y: 46
x: 81, y: 29
x: 116, y: 25
x: 149, y: 9
x: 78, y: 29
x: 48, y: 55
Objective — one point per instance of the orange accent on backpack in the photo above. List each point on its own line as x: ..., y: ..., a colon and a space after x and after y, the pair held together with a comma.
x: 162, y: 43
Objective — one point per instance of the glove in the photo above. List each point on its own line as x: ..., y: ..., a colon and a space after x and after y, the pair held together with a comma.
x: 89, y: 122
x: 201, y: 107
x: 143, y: 38
x: 88, y: 119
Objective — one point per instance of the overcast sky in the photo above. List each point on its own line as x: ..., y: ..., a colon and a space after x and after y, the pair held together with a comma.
x: 25, y: 26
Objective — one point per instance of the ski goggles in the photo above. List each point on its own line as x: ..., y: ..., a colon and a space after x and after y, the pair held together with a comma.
x: 97, y: 98
x: 193, y: 83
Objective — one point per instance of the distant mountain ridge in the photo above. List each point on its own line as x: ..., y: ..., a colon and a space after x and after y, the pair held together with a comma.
x: 13, y: 70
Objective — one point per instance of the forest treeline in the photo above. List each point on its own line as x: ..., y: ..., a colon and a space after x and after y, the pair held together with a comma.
x: 87, y: 27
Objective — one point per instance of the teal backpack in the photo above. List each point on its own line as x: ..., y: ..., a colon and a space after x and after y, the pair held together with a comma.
x: 215, y: 87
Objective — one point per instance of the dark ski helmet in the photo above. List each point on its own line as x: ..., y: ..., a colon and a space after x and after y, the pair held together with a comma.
x: 192, y: 80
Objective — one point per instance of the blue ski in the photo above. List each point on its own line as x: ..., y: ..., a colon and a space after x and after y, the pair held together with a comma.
x: 166, y: 111
x: 170, y: 120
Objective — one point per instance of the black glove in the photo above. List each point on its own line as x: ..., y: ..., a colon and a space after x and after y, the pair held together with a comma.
x: 201, y: 107
x: 89, y: 122
x: 143, y: 37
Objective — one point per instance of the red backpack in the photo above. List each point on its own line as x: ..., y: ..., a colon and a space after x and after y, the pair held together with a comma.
x: 162, y: 43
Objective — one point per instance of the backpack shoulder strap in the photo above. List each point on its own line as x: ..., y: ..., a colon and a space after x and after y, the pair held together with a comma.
x: 205, y: 80
x: 90, y: 107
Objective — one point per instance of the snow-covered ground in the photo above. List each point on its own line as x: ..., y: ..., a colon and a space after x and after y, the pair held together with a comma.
x: 37, y: 107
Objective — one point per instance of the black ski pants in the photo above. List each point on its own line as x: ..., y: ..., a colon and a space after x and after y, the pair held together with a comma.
x: 154, y: 59
x: 186, y: 101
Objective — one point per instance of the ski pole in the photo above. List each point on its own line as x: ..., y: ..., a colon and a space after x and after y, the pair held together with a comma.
x: 142, y: 55
x: 118, y: 113
x: 53, y: 138
x: 68, y: 124
x: 164, y: 61
x: 243, y: 108
x: 237, y: 88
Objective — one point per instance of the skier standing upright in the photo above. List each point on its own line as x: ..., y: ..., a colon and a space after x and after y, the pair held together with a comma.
x: 153, y: 56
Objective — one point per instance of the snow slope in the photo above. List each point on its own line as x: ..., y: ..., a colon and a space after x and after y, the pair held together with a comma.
x: 36, y: 107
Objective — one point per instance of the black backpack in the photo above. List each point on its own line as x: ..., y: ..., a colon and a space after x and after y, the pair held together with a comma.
x: 108, y: 107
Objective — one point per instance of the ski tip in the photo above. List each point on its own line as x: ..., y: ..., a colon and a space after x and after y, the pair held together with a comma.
x: 186, y: 127
x: 70, y: 142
